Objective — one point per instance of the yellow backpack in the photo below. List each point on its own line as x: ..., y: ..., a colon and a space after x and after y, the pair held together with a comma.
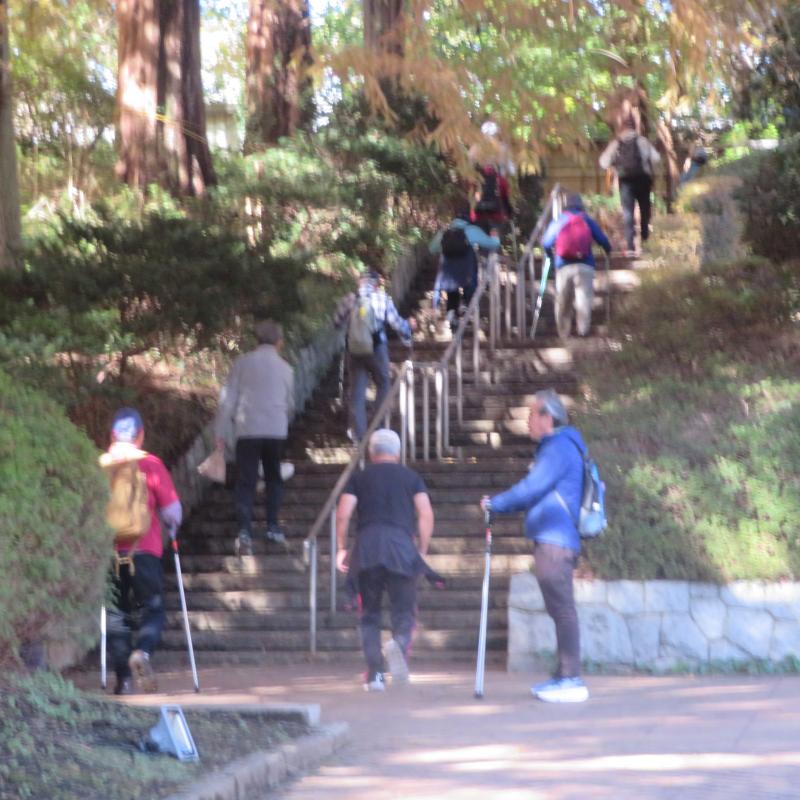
x: 127, y: 512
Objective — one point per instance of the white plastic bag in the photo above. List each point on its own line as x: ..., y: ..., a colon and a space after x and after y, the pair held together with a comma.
x: 213, y: 467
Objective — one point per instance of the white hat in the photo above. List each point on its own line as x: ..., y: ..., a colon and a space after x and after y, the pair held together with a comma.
x: 384, y: 442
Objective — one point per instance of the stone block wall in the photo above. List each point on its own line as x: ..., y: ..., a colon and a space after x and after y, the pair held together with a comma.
x: 660, y: 625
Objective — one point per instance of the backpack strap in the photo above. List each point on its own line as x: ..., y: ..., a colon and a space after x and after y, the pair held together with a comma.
x: 558, y: 494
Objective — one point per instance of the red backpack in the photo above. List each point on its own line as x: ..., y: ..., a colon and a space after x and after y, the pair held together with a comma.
x: 574, y: 240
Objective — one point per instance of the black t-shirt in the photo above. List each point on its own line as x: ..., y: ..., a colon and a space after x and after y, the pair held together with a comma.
x: 387, y: 517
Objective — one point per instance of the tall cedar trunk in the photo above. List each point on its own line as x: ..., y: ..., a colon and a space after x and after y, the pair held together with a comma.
x: 162, y: 125
x: 184, y: 149
x: 137, y: 92
x: 279, y: 99
x: 383, y: 30
x: 10, y: 235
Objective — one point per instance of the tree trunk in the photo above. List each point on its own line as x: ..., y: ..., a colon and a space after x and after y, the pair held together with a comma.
x: 383, y: 28
x: 10, y: 233
x: 279, y: 99
x: 182, y: 130
x: 137, y: 91
x: 162, y: 118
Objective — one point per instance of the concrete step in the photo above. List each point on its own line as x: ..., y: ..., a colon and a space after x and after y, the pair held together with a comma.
x: 428, y: 619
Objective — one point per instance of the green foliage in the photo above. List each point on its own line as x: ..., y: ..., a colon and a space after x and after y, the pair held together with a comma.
x: 770, y: 201
x: 695, y: 419
x: 54, y: 545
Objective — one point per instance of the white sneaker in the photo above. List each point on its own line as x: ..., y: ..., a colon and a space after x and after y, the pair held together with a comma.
x: 377, y: 684
x: 396, y: 660
x: 287, y: 470
x: 565, y: 690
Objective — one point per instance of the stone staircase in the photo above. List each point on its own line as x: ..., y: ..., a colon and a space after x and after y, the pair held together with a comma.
x: 256, y: 609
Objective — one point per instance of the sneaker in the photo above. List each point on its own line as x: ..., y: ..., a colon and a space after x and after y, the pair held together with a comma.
x: 376, y: 684
x: 545, y: 685
x: 243, y: 546
x: 565, y: 690
x: 275, y: 534
x: 396, y: 660
x: 124, y: 686
x: 287, y: 470
x: 142, y: 670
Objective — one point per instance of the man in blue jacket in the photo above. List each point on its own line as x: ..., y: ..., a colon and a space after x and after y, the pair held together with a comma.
x: 568, y: 243
x: 550, y: 495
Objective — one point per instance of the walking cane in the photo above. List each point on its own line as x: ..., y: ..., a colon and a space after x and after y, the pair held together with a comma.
x: 103, y: 665
x: 540, y: 296
x: 179, y: 575
x: 481, y: 664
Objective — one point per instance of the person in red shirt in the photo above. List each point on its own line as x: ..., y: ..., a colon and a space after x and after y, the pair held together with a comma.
x: 492, y: 199
x: 136, y: 623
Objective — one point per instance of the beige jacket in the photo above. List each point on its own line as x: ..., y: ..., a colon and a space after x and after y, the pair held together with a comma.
x: 258, y: 399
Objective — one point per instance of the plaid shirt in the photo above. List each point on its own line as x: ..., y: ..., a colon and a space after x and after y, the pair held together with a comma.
x: 382, y: 306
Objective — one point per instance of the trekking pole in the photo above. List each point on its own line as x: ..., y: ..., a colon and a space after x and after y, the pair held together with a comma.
x: 174, y: 536
x: 608, y: 293
x: 103, y: 663
x: 480, y: 667
x: 540, y: 296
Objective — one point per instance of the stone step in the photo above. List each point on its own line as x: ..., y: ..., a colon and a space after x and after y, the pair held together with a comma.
x: 274, y: 564
x: 327, y: 639
x: 261, y: 600
x: 430, y: 619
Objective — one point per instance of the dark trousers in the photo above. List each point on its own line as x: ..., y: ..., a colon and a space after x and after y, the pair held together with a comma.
x: 631, y: 192
x: 554, y: 568
x: 454, y: 297
x: 138, y: 618
x: 362, y: 368
x: 249, y: 454
x: 402, y: 591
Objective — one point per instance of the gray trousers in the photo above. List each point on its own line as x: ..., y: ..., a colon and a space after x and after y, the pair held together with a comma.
x: 574, y: 293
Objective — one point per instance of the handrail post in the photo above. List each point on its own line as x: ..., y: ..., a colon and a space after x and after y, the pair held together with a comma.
x: 333, y: 562
x: 459, y: 385
x: 426, y: 413
x: 312, y: 594
x: 507, y: 309
x: 439, y: 383
x: 412, y: 413
x: 446, y: 404
x: 403, y: 403
x: 521, y: 300
x: 476, y: 344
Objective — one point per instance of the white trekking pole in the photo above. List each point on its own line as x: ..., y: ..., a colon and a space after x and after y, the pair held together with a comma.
x: 608, y: 293
x: 480, y: 667
x: 187, y: 630
x: 103, y: 636
x: 540, y: 296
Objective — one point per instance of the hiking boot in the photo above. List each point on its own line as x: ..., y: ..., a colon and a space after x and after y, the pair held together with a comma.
x: 375, y: 684
x: 124, y: 686
x: 396, y: 660
x: 275, y: 534
x: 243, y: 546
x: 142, y: 669
x: 564, y: 690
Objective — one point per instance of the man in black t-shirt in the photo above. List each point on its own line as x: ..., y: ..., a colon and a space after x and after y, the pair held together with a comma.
x: 395, y: 525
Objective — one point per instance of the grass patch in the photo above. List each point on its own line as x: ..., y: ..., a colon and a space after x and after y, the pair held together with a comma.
x: 59, y: 743
x: 695, y: 419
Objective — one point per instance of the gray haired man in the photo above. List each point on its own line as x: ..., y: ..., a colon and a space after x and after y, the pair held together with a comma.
x: 395, y: 525
x: 254, y: 410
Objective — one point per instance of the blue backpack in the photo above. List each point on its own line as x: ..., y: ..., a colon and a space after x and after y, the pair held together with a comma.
x: 592, y: 519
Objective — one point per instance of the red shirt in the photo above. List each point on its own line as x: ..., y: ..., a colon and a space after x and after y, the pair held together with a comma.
x: 160, y: 493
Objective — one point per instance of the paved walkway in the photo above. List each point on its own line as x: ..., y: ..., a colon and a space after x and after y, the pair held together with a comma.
x: 638, y: 737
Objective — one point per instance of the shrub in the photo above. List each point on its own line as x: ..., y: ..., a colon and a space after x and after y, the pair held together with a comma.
x: 770, y: 201
x: 54, y: 544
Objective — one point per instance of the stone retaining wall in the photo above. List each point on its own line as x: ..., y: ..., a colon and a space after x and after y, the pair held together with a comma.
x: 660, y: 625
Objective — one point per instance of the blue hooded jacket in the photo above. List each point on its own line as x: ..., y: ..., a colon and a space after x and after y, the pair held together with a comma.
x: 558, y: 467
